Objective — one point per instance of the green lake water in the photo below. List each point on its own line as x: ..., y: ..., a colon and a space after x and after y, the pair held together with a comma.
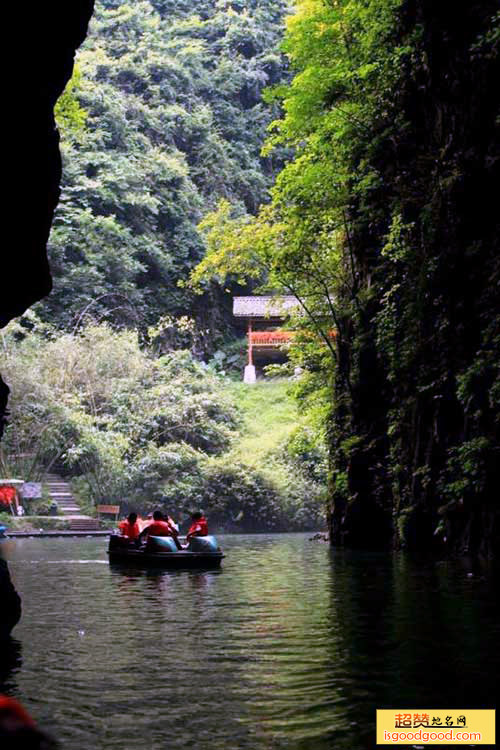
x: 290, y: 645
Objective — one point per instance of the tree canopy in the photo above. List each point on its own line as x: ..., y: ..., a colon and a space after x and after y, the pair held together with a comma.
x: 163, y: 118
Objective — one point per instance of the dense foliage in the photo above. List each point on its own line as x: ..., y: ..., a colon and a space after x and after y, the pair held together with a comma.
x: 142, y: 429
x: 164, y: 117
x: 385, y: 226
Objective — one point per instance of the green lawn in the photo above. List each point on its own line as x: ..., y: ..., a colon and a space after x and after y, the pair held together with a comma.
x: 270, y: 414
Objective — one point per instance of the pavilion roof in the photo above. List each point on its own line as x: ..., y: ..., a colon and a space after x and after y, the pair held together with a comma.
x: 270, y: 306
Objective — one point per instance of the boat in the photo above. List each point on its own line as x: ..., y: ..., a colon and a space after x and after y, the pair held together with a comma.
x: 161, y: 551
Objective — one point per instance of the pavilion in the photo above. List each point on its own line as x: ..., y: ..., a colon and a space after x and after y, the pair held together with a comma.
x: 263, y: 318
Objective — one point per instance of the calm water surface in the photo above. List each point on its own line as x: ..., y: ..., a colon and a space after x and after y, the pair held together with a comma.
x: 290, y: 645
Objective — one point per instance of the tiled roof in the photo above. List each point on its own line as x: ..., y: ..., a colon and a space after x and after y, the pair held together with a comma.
x: 264, y: 307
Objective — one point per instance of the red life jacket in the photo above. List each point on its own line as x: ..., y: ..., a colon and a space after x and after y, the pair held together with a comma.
x: 12, y: 712
x: 159, y: 528
x: 129, y: 530
x: 198, y: 528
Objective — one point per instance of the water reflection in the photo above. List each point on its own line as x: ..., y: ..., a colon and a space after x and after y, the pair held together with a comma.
x: 411, y: 636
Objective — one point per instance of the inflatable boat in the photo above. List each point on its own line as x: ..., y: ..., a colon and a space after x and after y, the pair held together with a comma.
x: 161, y: 551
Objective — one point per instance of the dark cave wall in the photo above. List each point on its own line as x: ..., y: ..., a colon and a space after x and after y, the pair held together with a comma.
x: 45, y: 37
x: 37, y: 65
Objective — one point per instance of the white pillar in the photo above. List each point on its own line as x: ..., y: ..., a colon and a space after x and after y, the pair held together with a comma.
x: 249, y: 376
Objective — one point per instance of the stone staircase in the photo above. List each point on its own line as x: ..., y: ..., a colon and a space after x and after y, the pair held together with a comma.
x: 60, y: 491
x: 84, y: 524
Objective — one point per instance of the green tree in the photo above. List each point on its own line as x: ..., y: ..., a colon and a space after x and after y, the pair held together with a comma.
x: 163, y: 117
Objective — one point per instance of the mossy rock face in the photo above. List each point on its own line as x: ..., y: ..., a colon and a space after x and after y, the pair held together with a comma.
x: 365, y: 526
x: 414, y: 525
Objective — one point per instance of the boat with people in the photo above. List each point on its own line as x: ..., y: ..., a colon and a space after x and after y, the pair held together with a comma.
x: 162, y: 551
x: 156, y: 543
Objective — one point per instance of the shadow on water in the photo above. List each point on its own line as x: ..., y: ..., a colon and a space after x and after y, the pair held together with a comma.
x: 409, y: 635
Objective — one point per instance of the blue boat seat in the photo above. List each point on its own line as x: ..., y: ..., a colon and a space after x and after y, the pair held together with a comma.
x: 203, y: 544
x: 161, y: 544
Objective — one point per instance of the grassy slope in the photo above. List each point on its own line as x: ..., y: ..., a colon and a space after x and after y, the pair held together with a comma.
x: 269, y: 416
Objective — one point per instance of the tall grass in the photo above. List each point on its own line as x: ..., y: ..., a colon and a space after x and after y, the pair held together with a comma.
x: 269, y: 415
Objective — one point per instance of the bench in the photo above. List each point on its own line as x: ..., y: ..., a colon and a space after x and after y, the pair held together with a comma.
x: 109, y: 509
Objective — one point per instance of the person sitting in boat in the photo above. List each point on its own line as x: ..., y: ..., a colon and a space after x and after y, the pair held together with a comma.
x: 160, y: 527
x: 130, y: 527
x: 168, y: 518
x: 199, y: 526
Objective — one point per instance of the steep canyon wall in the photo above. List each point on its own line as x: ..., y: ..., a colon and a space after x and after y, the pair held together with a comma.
x: 417, y: 439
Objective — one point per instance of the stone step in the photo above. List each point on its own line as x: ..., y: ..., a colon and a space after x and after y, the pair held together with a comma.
x: 60, y: 491
x: 84, y: 524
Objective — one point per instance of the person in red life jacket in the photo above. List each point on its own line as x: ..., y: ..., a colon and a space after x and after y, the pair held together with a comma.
x: 160, y: 527
x: 199, y: 526
x: 18, y: 730
x: 130, y: 527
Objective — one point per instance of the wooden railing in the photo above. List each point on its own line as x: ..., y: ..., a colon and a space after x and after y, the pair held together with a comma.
x: 278, y: 338
x: 270, y: 338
